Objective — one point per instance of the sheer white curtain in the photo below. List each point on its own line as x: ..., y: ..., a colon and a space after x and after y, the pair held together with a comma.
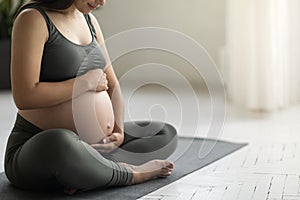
x: 263, y: 53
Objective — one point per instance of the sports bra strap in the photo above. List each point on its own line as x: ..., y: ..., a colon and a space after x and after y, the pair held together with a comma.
x: 50, y: 25
x: 91, y: 26
x: 43, y: 13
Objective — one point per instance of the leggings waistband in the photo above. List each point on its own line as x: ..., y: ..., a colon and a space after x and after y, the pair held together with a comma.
x: 22, y: 124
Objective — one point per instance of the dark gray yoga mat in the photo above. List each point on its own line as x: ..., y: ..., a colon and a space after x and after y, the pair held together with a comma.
x: 190, y: 155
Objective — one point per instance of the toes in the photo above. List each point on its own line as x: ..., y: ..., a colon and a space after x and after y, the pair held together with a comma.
x: 171, y: 165
x: 168, y: 165
x: 166, y: 169
x: 164, y: 175
x: 165, y: 172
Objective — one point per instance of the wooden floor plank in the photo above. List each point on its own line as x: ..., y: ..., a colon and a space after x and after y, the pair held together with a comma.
x: 291, y: 185
x: 261, y: 189
x: 277, y: 186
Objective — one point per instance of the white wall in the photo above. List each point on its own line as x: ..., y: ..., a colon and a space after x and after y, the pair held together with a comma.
x: 203, y: 20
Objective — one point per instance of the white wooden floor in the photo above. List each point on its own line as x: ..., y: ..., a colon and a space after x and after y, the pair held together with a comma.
x: 268, y: 168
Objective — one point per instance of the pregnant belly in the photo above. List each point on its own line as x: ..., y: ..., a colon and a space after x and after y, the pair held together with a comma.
x: 90, y: 116
x: 93, y: 116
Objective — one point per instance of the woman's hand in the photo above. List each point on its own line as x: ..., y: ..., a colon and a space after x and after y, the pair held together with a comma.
x: 96, y: 80
x: 109, y: 143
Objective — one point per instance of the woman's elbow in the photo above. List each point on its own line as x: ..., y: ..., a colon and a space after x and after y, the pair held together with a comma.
x: 23, y: 102
x: 24, y: 98
x: 21, y: 105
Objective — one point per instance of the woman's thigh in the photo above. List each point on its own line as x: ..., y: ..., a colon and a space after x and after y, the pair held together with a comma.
x: 57, y: 158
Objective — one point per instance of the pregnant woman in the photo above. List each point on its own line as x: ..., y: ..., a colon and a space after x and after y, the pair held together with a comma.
x: 69, y: 133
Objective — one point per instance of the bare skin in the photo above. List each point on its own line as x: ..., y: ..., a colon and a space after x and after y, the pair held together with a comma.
x: 54, y: 109
x: 60, y: 114
x: 150, y: 170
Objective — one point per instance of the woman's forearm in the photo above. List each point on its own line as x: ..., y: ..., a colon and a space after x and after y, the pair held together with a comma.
x: 47, y: 94
x: 118, y: 106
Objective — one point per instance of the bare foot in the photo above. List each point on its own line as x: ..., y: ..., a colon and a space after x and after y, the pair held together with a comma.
x: 70, y: 191
x: 150, y: 170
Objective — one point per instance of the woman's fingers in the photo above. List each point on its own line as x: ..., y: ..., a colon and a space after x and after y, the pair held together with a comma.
x: 102, y: 83
x: 109, y: 143
x: 113, y: 137
x: 96, y: 80
x: 104, y: 147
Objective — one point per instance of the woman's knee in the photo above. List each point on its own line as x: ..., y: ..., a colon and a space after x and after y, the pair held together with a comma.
x: 166, y: 130
x: 170, y: 138
x: 155, y: 132
x: 45, y: 149
x: 141, y: 129
x: 170, y: 130
x: 53, y: 141
x: 58, y: 136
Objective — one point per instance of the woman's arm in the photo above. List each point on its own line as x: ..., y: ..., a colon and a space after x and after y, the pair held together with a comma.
x: 114, y: 89
x: 28, y: 38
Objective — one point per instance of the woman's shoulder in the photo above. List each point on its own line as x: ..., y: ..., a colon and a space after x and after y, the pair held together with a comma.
x: 31, y: 21
x: 31, y: 15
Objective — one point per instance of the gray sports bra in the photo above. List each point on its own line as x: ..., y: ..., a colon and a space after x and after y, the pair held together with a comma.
x: 63, y: 59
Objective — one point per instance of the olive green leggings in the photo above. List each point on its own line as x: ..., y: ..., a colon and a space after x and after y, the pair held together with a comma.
x: 55, y: 159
